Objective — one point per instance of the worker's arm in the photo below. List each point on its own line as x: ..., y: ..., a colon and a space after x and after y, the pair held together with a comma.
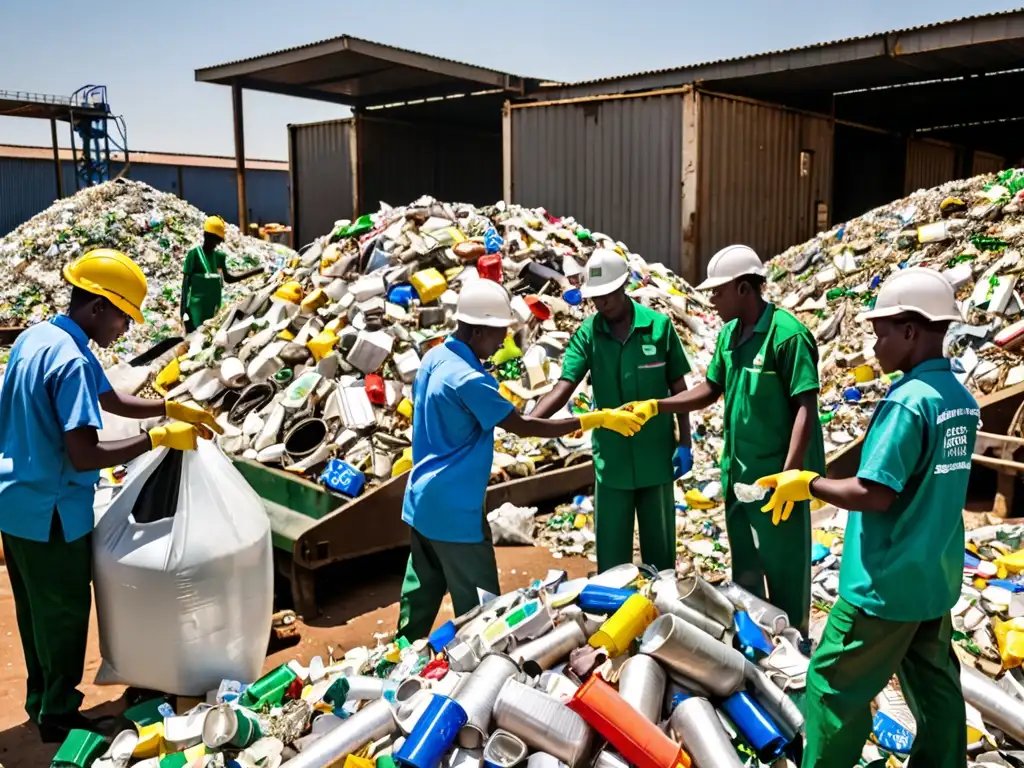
x: 186, y: 282
x: 805, y: 422
x: 575, y: 367
x: 131, y: 407
x: 530, y: 426
x: 554, y: 400
x: 696, y: 399
x: 88, y: 453
x: 854, y: 493
x: 892, y: 449
x: 682, y: 418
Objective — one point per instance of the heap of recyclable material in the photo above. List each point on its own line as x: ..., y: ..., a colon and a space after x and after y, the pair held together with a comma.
x: 626, y: 668
x: 971, y: 230
x: 154, y: 228
x: 313, y: 371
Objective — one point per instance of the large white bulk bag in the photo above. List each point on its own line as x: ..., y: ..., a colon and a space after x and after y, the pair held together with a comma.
x: 184, y: 601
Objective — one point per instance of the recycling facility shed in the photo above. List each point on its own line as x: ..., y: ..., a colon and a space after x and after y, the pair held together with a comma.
x: 766, y: 149
x: 28, y: 183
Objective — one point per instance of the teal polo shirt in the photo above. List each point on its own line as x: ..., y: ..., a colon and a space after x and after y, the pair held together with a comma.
x: 906, y: 564
x: 456, y: 406
x: 52, y: 386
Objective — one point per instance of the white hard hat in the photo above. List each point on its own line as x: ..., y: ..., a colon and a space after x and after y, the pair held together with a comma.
x: 916, y: 289
x: 606, y: 272
x: 729, y: 263
x: 484, y: 302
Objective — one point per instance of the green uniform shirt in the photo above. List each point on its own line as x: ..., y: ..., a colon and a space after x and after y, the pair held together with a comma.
x: 202, y: 284
x: 640, y: 368
x: 907, y: 564
x: 760, y: 378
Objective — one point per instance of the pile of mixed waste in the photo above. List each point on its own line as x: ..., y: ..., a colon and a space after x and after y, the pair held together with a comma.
x: 971, y: 230
x: 626, y: 668
x: 313, y: 371
x: 154, y: 228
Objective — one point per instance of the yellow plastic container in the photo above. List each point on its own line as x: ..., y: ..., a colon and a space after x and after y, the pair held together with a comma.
x: 314, y: 301
x: 404, y: 463
x: 290, y: 292
x: 1013, y: 563
x: 862, y: 374
x: 405, y: 408
x: 150, y: 739
x: 697, y: 500
x: 625, y: 625
x: 168, y: 376
x: 322, y: 344
x: 429, y: 284
x: 358, y: 762
x: 1010, y: 637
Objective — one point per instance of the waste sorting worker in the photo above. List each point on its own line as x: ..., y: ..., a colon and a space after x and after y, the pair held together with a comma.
x: 205, y: 270
x: 50, y: 457
x: 456, y: 406
x: 631, y: 353
x: 766, y: 365
x: 903, y: 557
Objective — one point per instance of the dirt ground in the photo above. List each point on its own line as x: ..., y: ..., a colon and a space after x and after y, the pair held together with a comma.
x: 359, y: 599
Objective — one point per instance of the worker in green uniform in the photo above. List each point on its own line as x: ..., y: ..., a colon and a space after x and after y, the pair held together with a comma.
x: 904, y: 545
x: 631, y: 353
x: 766, y: 365
x: 50, y: 458
x: 456, y: 407
x: 206, y: 269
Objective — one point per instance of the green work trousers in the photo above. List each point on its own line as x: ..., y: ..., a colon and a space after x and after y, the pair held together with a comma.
x: 857, y: 657
x: 614, y: 512
x: 437, y: 567
x: 779, y: 555
x: 52, y: 586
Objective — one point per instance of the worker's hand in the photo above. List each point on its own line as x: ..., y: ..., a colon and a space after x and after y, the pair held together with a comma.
x: 791, y: 486
x: 179, y: 436
x: 682, y: 461
x: 192, y: 414
x: 645, y: 409
x: 617, y: 420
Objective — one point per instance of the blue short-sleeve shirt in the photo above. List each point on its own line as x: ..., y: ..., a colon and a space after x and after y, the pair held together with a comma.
x: 456, y: 406
x: 52, y: 386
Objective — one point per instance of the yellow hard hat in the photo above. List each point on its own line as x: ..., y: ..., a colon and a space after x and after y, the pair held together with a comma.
x: 215, y: 226
x: 291, y: 292
x: 112, y: 275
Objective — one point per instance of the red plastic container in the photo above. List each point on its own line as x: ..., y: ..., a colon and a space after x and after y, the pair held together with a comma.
x: 489, y: 267
x: 375, y: 389
x: 537, y: 306
x: 635, y: 737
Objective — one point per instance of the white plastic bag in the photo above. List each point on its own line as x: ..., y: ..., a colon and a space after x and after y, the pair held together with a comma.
x: 511, y: 525
x: 185, y: 601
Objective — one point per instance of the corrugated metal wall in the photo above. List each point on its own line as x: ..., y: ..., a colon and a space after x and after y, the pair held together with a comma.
x: 753, y: 188
x: 29, y: 186
x: 400, y: 161
x: 929, y: 163
x: 985, y: 162
x: 614, y: 165
x: 322, y: 185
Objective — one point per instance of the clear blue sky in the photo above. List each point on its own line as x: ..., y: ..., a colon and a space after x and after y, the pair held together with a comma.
x: 146, y: 53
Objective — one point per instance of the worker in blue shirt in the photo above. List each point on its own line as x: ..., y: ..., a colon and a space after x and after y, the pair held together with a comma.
x: 50, y: 457
x: 456, y: 406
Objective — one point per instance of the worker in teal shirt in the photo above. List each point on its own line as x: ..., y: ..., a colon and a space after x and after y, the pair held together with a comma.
x: 50, y: 457
x: 456, y: 406
x: 904, y: 545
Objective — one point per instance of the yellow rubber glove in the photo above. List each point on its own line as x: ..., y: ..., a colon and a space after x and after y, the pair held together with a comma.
x: 179, y: 436
x: 645, y: 409
x: 192, y: 414
x: 790, y: 487
x: 625, y: 423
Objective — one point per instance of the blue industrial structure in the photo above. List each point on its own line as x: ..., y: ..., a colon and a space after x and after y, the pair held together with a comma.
x: 92, y: 120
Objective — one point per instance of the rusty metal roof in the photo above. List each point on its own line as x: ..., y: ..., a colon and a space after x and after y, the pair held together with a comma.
x: 350, y: 70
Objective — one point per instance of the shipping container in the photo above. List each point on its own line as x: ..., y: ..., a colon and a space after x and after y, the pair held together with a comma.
x: 322, y: 168
x: 613, y: 164
x: 929, y: 164
x: 986, y: 162
x: 765, y: 176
